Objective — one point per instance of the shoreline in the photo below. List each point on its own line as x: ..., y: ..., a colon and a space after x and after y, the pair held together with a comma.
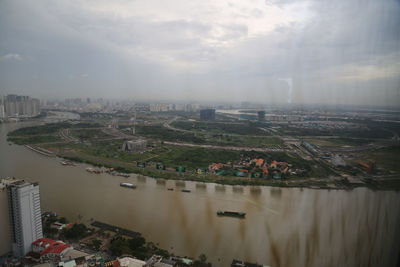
x: 159, y: 175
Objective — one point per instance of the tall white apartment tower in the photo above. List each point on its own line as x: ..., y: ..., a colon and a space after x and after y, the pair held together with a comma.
x: 25, y: 216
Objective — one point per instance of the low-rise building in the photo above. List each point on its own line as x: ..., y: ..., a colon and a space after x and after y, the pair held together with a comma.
x: 50, y: 249
x: 134, y: 145
x: 159, y: 261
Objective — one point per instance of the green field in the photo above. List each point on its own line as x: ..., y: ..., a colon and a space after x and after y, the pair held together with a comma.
x: 34, y: 139
x: 246, y: 128
x: 386, y: 158
x: 87, y: 134
x: 162, y: 133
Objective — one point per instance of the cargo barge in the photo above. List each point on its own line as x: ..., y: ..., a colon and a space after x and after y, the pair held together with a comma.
x: 231, y: 214
x: 128, y: 185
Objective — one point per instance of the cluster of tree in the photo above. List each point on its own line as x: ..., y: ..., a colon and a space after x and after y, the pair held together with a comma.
x: 137, y: 247
x: 76, y: 232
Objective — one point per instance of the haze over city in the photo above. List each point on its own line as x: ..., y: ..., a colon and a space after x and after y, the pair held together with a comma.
x: 341, y: 52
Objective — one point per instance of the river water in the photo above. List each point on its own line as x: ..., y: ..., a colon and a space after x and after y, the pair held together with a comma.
x: 283, y: 227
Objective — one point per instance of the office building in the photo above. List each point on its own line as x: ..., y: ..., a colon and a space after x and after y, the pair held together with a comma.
x: 207, y: 114
x: 25, y: 215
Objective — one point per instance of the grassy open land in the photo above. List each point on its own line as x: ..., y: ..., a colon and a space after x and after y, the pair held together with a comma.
x: 47, y: 133
x: 162, y: 133
x: 171, y: 156
x: 371, y: 132
x: 335, y: 142
x: 39, y: 130
x: 386, y: 158
x: 246, y: 128
x: 86, y: 134
x: 24, y: 140
x: 50, y: 128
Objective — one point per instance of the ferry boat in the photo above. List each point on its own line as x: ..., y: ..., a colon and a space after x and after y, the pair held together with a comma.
x: 128, y: 185
x: 185, y: 191
x: 231, y: 214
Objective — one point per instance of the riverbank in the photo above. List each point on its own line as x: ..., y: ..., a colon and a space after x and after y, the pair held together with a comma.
x: 314, y: 178
x: 338, y: 184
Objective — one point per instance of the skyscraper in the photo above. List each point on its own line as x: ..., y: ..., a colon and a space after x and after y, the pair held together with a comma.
x: 207, y: 114
x: 25, y: 216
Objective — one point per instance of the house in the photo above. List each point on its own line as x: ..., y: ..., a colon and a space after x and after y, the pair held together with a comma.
x: 57, y: 225
x: 49, y: 249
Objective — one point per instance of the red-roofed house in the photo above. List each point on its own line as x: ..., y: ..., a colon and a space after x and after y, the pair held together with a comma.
x: 50, y: 249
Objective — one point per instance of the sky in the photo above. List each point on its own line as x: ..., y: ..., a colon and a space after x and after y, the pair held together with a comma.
x: 265, y: 51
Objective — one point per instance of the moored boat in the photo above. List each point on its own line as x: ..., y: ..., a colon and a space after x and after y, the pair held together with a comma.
x: 231, y: 214
x: 128, y: 185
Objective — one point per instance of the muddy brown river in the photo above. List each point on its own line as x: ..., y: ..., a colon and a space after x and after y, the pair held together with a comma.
x: 283, y: 227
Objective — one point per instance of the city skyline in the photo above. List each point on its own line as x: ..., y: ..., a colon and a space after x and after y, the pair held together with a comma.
x: 266, y: 51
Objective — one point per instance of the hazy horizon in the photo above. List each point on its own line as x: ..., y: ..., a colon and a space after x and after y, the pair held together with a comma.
x: 345, y: 52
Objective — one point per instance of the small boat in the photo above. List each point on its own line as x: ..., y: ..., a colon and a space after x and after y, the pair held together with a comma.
x: 128, y: 185
x: 170, y: 189
x: 231, y: 214
x: 92, y: 170
x: 185, y: 191
x: 67, y: 163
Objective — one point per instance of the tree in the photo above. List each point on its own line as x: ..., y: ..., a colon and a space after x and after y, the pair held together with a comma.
x: 77, y: 231
x: 96, y: 243
x: 136, y: 242
x: 63, y: 220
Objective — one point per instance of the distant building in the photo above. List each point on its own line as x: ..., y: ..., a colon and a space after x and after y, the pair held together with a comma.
x: 261, y: 115
x: 25, y: 216
x: 207, y: 114
x: 338, y: 161
x: 284, y: 118
x: 16, y: 106
x: 161, y: 107
x: 2, y: 111
x: 134, y: 145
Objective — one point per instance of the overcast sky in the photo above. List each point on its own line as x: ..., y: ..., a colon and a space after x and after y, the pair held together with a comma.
x: 306, y: 51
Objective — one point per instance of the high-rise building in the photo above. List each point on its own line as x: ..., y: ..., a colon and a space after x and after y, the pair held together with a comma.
x: 207, y: 114
x: 261, y: 115
x: 15, y: 105
x: 25, y: 216
x: 2, y: 112
x: 5, y: 229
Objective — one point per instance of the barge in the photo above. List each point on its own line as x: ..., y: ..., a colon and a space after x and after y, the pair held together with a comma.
x: 231, y: 214
x: 128, y: 185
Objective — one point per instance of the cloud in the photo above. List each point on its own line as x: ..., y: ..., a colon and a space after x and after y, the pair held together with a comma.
x: 10, y: 56
x: 202, y: 50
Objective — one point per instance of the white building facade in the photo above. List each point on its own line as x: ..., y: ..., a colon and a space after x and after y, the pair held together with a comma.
x: 25, y: 216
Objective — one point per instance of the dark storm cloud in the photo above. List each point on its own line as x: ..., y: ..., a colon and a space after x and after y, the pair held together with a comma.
x: 332, y: 51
